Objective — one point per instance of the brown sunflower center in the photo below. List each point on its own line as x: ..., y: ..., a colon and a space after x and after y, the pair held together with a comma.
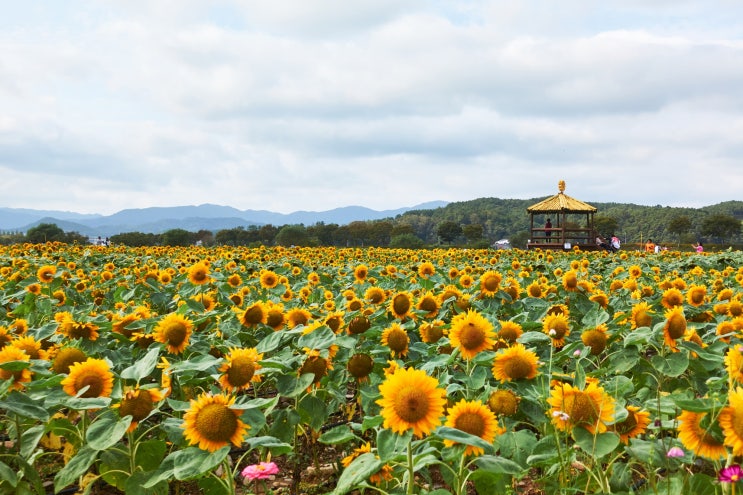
x: 581, y: 409
x: 81, y: 331
x: 491, y: 283
x: 596, y: 340
x: 643, y: 319
x: 360, y: 324
x: 411, y: 404
x: 471, y: 423
x: 503, y: 402
x: 401, y: 304
x: 560, y: 330
x: 627, y: 425
x: 67, y: 357
x: 434, y: 333
x: 241, y: 371
x: 471, y: 336
x: 175, y: 333
x: 137, y: 406
x: 676, y: 326
x: 198, y: 275
x: 92, y: 379
x: 428, y: 304
x: 517, y: 367
x: 360, y: 365
x: 508, y: 334
x: 397, y: 340
x: 274, y: 319
x: 315, y: 365
x: 253, y: 315
x: 216, y: 422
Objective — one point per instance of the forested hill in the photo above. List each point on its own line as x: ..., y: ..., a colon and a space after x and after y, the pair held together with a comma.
x: 507, y: 218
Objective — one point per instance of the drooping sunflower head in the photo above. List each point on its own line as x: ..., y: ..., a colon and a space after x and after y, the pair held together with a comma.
x: 198, y: 273
x: 504, y: 402
x: 633, y: 425
x: 475, y: 418
x: 335, y: 321
x: 238, y: 370
x: 138, y: 404
x: 254, y: 314
x: 515, y: 363
x: 358, y: 325
x: 411, y: 399
x: 675, y: 326
x: 472, y: 333
x: 600, y: 298
x: 557, y: 327
x: 360, y: 365
x: 570, y: 280
x: 396, y: 338
x: 490, y: 283
x: 316, y: 365
x: 174, y: 330
x: 92, y: 373
x: 401, y: 305
x: 212, y: 424
x: 595, y: 338
x: 275, y: 315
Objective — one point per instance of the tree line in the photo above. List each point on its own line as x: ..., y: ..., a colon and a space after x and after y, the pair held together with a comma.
x: 477, y: 223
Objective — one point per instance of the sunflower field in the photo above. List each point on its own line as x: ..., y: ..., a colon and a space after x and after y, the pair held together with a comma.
x: 225, y: 370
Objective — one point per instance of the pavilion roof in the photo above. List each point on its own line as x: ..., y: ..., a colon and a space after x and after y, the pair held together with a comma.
x: 561, y: 202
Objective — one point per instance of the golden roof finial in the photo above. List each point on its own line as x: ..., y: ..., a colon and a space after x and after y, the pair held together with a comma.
x: 561, y: 186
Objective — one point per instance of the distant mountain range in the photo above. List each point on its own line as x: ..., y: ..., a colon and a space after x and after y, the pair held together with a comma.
x: 192, y: 218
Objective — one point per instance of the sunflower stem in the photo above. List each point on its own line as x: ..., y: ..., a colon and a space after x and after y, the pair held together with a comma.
x: 411, y: 468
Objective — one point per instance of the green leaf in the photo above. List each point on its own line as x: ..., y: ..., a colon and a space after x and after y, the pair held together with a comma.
x: 640, y: 336
x: 276, y: 446
x: 313, y: 411
x: 25, y: 406
x: 460, y: 436
x: 321, y: 338
x: 7, y: 474
x: 186, y: 464
x: 271, y: 342
x: 534, y: 338
x: 517, y: 445
x: 15, y: 365
x: 673, y: 364
x: 142, y: 368
x: 150, y: 454
x: 30, y: 439
x: 290, y: 386
x: 371, y: 422
x: 80, y: 403
x: 595, y: 317
x: 497, y: 464
x: 697, y: 405
x: 134, y: 485
x: 77, y: 467
x: 106, y: 431
x: 359, y: 470
x: 336, y: 436
x: 597, y: 445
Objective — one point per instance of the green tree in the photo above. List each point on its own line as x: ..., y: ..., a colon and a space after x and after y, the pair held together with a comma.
x: 448, y: 231
x: 679, y: 225
x: 177, y: 237
x: 135, y: 239
x: 267, y: 234
x: 605, y: 225
x: 45, y: 232
x: 473, y: 232
x: 721, y: 227
x: 406, y: 241
x: 292, y: 235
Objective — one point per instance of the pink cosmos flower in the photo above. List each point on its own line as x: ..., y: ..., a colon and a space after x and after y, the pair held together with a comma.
x: 675, y: 452
x: 731, y: 474
x: 260, y: 471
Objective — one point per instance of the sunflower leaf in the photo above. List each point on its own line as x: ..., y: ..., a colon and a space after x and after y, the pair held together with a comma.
x: 143, y: 366
x: 77, y: 466
x: 597, y: 445
x: 359, y: 470
x: 460, y: 436
x: 106, y: 431
x: 23, y: 405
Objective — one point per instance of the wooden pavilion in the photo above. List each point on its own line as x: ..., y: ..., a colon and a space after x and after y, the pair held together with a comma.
x: 571, y: 223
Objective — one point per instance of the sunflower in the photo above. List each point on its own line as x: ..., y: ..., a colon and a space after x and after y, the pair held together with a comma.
x: 358, y: 325
x: 212, y: 424
x: 509, y: 331
x: 490, y: 283
x: 375, y: 295
x: 471, y: 333
x: 633, y: 425
x: 360, y: 366
x: 66, y: 357
x: 641, y: 315
x: 198, y: 273
x: 138, y: 404
x: 731, y: 421
x: 671, y: 298
x: 207, y: 299
x: 534, y: 290
x: 60, y: 296
x: 557, y: 327
x: 570, y: 280
x: 174, y: 331
x: 428, y: 304
x: 360, y: 273
x: 363, y: 449
x: 275, y: 315
x: 675, y: 326
x: 34, y: 289
x: 515, y: 363
x: 30, y: 346
x: 335, y: 321
x: 698, y: 434
x: 591, y: 408
x: 316, y: 365
x: 46, y: 273
x: 401, y: 305
x: 504, y: 402
x: 449, y: 292
x: 354, y: 304
x: 466, y: 281
x: 426, y: 269
x: 92, y: 373
x: 696, y: 295
x: 734, y: 363
x: 254, y: 314
x: 595, y: 338
x: 120, y: 323
x: 268, y: 279
x: 396, y: 338
x: 600, y: 298
x: 558, y: 309
x: 512, y: 288
x: 475, y: 418
x: 238, y: 370
x: 8, y: 354
x: 75, y: 329
x: 411, y: 399
x: 298, y: 316
x: 432, y: 332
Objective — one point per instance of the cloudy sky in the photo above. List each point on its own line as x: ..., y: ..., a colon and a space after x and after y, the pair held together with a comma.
x: 315, y: 104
